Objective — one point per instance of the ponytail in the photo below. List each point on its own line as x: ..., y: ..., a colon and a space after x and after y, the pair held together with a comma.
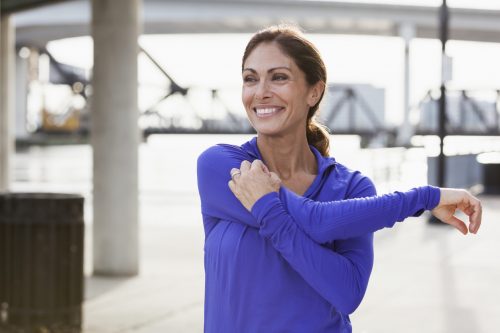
x: 318, y: 136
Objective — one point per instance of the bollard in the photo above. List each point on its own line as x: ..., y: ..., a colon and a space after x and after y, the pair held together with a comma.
x: 41, y: 263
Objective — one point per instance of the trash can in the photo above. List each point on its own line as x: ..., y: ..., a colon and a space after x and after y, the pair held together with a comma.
x: 41, y: 262
x: 491, y: 172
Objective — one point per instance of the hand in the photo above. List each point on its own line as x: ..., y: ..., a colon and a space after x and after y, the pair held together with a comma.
x: 252, y: 181
x: 453, y: 199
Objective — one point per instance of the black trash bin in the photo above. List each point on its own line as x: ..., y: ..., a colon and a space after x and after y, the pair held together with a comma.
x: 41, y: 262
x: 491, y: 172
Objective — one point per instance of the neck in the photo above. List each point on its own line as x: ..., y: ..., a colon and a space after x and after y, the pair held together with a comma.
x: 287, y: 155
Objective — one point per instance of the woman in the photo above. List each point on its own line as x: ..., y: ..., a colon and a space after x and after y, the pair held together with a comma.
x: 292, y: 249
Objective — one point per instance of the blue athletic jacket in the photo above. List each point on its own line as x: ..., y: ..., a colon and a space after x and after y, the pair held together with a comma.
x: 292, y: 264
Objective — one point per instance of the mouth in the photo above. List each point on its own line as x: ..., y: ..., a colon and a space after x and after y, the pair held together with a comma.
x: 264, y: 112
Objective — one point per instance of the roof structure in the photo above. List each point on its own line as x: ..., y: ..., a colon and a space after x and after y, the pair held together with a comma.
x: 72, y: 18
x: 12, y: 6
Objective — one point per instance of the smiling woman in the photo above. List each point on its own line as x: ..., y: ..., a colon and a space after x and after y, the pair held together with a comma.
x: 288, y: 230
x: 296, y: 82
x: 277, y: 95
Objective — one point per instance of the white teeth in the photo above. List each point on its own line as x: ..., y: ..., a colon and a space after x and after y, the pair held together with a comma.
x: 266, y: 111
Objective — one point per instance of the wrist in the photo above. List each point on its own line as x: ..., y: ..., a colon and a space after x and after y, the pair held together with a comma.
x: 261, y: 206
x: 257, y: 195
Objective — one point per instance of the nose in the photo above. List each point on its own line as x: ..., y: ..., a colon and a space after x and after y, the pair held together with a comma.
x: 262, y: 92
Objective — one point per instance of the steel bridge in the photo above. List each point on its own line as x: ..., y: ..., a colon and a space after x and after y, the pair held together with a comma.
x: 35, y: 26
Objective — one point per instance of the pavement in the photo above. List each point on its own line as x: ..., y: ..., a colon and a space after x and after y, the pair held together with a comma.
x: 167, y: 296
x: 426, y: 278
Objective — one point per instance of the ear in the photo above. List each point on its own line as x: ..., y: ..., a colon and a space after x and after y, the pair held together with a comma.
x: 315, y: 93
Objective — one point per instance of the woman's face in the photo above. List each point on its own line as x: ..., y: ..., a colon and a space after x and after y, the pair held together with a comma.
x: 275, y: 93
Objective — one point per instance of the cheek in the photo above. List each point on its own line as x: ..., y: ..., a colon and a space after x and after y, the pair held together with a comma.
x: 246, y: 96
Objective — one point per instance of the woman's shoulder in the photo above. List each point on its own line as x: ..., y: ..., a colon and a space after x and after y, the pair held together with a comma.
x: 223, y: 152
x: 355, y: 183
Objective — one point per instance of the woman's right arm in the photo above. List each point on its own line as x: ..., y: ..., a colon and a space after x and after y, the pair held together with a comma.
x: 217, y: 201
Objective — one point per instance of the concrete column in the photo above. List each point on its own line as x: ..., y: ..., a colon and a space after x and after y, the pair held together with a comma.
x: 22, y: 81
x: 407, y: 32
x: 7, y: 99
x: 115, y: 136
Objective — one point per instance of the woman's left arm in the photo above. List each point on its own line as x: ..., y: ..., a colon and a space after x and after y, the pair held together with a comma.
x: 340, y: 277
x: 343, y: 219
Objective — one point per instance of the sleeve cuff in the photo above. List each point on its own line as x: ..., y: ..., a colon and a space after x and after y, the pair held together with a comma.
x: 434, y: 197
x: 262, y: 206
x: 270, y: 214
x: 430, y: 196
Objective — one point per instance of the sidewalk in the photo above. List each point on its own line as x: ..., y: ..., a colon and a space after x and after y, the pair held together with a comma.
x: 166, y: 297
x: 426, y: 279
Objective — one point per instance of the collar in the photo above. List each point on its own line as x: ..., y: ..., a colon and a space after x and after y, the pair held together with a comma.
x: 325, y: 164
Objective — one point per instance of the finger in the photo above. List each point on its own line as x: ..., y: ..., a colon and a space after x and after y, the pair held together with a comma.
x: 232, y: 186
x: 457, y: 223
x: 258, y: 165
x: 472, y: 207
x: 475, y: 218
x: 235, y: 173
x: 275, y: 179
x: 245, y: 166
x: 468, y: 210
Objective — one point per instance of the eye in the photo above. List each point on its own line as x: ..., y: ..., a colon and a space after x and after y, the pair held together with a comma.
x: 249, y: 78
x: 280, y: 77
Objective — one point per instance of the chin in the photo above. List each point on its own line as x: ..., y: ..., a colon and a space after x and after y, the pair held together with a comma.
x: 268, y: 131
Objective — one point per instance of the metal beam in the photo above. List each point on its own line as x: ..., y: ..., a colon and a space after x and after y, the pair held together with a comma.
x: 70, y: 19
x: 444, y: 19
x: 12, y: 6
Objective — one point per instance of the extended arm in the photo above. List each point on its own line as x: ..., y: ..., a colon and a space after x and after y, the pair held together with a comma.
x: 327, y: 221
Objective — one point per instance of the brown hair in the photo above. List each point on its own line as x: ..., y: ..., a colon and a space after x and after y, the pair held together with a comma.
x: 292, y: 42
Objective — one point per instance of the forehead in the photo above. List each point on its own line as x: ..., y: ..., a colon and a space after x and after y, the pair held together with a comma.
x: 268, y: 55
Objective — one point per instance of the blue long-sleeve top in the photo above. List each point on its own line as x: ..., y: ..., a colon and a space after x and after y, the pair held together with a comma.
x: 294, y: 263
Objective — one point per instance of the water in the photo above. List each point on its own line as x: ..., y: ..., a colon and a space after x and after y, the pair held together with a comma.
x: 167, y: 171
x: 167, y: 168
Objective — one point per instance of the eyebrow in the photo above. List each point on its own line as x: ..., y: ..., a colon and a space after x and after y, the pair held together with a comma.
x: 269, y: 70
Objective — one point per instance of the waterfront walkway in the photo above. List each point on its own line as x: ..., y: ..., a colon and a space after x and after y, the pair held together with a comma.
x: 426, y: 279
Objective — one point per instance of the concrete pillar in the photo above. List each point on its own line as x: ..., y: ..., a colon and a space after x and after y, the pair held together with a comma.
x: 115, y: 136
x: 22, y: 82
x: 407, y: 32
x: 7, y: 99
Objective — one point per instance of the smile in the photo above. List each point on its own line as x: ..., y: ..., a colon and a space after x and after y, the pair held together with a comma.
x: 267, y: 112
